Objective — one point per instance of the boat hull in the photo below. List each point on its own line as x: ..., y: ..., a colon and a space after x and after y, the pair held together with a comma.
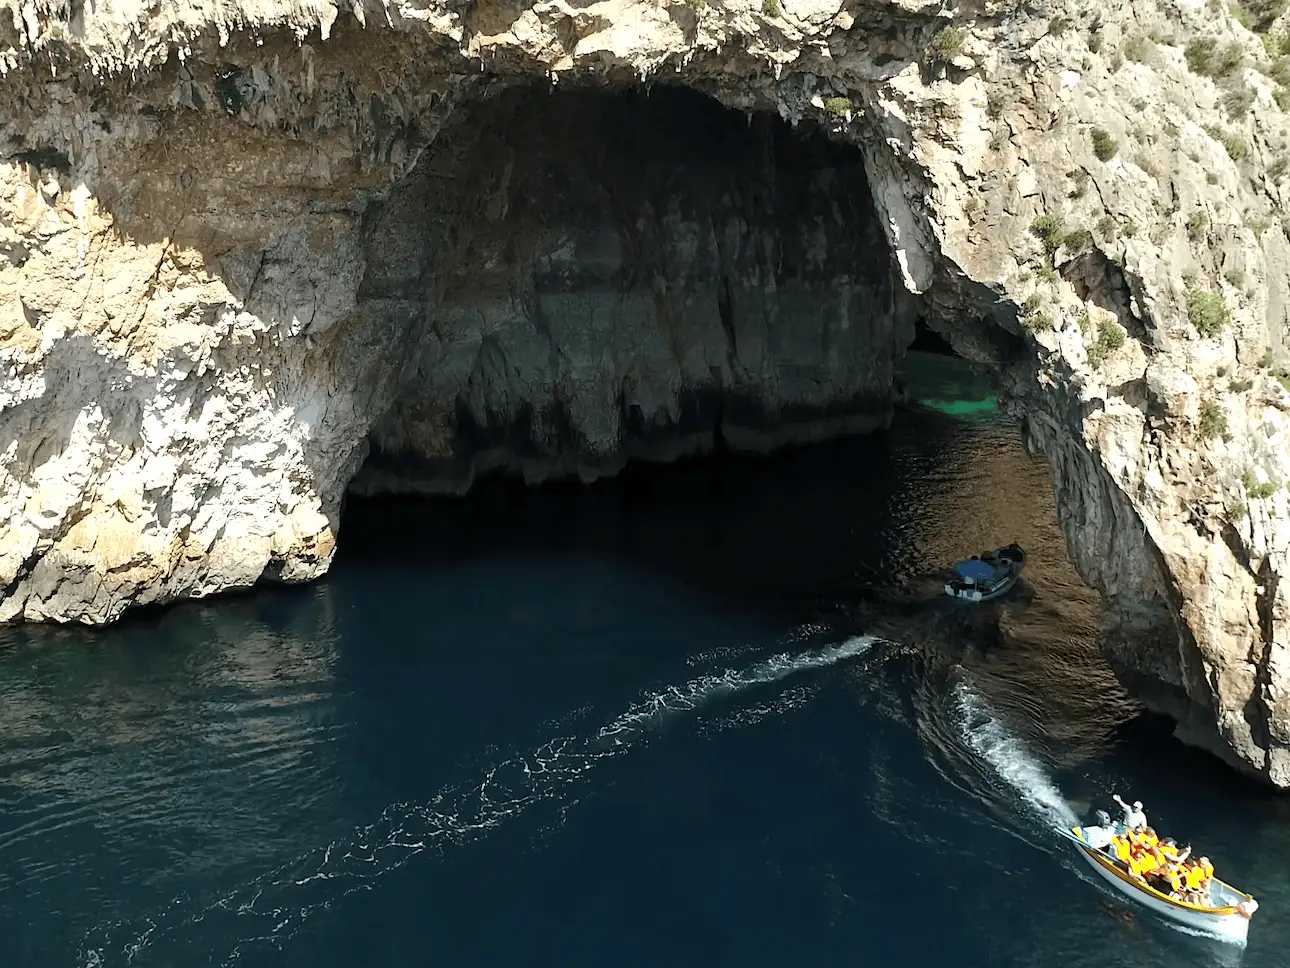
x: 978, y: 595
x: 1229, y: 924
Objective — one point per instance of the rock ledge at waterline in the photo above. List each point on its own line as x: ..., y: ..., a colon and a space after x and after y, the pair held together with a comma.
x: 256, y: 253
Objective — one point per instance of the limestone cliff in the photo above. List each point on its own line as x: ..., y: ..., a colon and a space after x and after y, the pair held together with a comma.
x: 251, y: 247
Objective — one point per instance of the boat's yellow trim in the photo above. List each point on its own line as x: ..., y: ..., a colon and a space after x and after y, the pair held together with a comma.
x: 1148, y: 889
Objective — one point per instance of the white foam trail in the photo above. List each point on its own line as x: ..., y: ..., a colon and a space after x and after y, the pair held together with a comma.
x: 270, y: 909
x: 987, y: 735
x: 647, y: 713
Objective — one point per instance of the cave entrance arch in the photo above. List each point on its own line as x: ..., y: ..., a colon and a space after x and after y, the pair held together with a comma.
x: 578, y: 278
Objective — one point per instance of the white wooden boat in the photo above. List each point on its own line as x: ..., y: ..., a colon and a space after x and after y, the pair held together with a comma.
x: 982, y: 578
x: 1227, y: 915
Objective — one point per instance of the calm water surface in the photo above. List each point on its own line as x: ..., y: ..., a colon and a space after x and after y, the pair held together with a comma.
x: 686, y: 718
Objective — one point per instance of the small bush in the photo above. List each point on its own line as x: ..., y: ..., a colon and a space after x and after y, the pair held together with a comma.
x: 1234, y: 146
x: 1058, y: 26
x: 1207, y: 311
x: 1199, y: 53
x: 1278, y: 167
x: 1147, y: 164
x: 1081, y: 179
x: 1136, y: 48
x: 770, y: 8
x: 1235, y: 278
x: 1258, y: 490
x: 1280, y: 71
x: 1282, y: 96
x: 1238, y: 100
x: 1206, y: 58
x: 948, y: 43
x: 1094, y: 42
x: 1240, y: 386
x: 1032, y: 303
x: 1110, y: 337
x: 1080, y: 240
x: 1236, y: 510
x: 1047, y: 274
x: 1038, y: 321
x: 1258, y: 225
x: 1104, y: 146
x: 1049, y: 230
x: 1213, y: 422
x: 1130, y: 229
x: 1197, y: 223
x: 1241, y: 16
x: 837, y: 106
x: 1106, y: 227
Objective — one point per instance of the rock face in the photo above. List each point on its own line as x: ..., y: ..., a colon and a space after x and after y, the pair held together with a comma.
x: 583, y: 277
x: 251, y: 248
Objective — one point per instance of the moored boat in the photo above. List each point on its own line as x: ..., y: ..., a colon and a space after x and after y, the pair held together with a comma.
x: 982, y: 578
x: 1227, y: 915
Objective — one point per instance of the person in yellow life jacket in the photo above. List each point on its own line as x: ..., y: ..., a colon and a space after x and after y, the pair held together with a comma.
x: 1196, y: 885
x: 1123, y: 848
x: 1195, y: 877
x: 1149, y: 838
x: 1142, y: 865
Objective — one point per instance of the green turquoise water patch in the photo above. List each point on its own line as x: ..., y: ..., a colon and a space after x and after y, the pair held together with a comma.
x: 987, y: 406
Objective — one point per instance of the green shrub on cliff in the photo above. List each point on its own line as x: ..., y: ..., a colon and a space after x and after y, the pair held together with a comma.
x: 1207, y: 311
x: 1049, y: 230
x: 1213, y: 422
x: 1104, y: 145
x: 1110, y: 337
x: 948, y: 43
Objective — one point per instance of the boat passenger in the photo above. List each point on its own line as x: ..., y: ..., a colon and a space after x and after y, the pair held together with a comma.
x: 1142, y: 865
x: 1135, y: 818
x: 1207, y: 872
x: 1149, y: 839
x: 1197, y: 881
x: 1123, y: 849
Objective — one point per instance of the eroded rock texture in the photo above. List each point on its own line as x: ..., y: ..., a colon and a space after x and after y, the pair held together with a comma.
x: 597, y: 276
x: 250, y: 248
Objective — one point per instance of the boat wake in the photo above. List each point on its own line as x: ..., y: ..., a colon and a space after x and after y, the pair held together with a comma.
x: 268, y: 910
x: 1011, y: 759
x: 1022, y: 777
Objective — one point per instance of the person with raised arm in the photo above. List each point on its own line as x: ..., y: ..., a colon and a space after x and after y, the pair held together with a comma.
x: 1135, y: 818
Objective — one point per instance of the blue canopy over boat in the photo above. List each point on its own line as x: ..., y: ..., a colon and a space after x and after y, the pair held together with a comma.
x: 976, y: 569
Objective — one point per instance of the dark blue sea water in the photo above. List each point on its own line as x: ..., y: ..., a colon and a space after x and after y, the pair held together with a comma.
x: 685, y: 718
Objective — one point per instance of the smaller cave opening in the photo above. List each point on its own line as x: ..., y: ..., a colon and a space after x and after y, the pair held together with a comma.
x: 570, y: 280
x: 927, y: 340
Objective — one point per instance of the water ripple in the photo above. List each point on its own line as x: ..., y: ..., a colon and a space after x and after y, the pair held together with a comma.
x: 272, y: 907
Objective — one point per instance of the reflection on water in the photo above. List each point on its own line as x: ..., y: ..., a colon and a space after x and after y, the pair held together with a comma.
x: 167, y: 749
x: 696, y: 716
